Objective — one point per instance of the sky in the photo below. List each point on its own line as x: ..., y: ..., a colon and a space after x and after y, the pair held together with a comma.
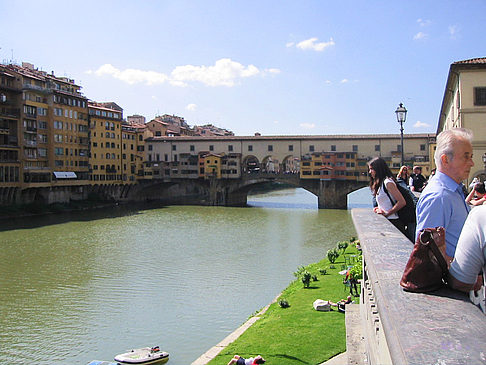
x: 272, y: 67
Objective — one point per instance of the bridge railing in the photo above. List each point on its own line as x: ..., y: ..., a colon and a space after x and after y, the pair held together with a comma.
x: 442, y: 327
x: 270, y: 175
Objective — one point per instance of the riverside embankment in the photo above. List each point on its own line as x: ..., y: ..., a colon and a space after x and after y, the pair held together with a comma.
x: 297, y: 334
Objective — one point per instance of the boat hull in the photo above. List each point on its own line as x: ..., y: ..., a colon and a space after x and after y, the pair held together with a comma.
x: 143, y: 356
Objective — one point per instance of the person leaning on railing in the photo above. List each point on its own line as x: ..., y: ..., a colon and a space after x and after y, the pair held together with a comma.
x: 381, y: 178
x: 442, y: 203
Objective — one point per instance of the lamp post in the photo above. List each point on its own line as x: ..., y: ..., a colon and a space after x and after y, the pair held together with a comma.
x: 401, y: 113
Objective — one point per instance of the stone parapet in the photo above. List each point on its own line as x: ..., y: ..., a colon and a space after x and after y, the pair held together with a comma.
x: 442, y: 327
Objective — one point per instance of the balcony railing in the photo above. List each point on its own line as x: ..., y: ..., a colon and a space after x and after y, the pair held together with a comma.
x: 34, y: 87
x: 30, y: 143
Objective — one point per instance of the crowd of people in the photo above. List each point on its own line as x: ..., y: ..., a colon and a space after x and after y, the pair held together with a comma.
x: 445, y: 202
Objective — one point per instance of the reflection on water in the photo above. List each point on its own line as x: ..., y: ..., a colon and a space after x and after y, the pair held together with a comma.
x: 183, y: 277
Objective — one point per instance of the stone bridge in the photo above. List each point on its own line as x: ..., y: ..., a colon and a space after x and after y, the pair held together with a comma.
x: 331, y: 194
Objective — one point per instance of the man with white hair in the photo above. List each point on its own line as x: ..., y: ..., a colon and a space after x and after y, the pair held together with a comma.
x: 442, y: 201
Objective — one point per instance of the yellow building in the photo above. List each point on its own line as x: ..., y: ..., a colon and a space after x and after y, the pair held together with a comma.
x: 212, y: 166
x: 133, y: 151
x: 36, y: 138
x: 105, y: 121
x: 464, y: 106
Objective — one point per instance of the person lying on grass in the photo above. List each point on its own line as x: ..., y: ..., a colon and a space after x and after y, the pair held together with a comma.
x: 342, y: 303
x: 238, y: 360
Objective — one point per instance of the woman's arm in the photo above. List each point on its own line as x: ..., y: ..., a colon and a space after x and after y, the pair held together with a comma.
x: 478, y: 201
x: 395, y: 193
x: 470, y: 195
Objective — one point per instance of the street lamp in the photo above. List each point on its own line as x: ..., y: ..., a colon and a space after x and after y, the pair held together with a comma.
x: 401, y: 113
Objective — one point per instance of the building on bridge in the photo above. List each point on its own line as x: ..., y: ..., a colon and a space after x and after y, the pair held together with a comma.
x: 312, y: 157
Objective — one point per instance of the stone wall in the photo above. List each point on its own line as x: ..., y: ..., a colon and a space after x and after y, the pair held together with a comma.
x: 442, y: 327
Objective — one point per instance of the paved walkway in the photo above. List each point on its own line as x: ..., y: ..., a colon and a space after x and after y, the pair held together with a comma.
x: 341, y: 359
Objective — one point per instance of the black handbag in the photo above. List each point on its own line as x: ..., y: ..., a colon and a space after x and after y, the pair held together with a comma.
x: 426, y: 269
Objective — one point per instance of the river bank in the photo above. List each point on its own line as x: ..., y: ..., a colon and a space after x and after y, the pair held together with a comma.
x: 303, y: 334
x: 39, y: 209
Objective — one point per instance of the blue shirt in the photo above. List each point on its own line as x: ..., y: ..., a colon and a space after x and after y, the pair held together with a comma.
x: 442, y: 203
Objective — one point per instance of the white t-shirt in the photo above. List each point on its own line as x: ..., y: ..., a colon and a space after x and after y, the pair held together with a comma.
x: 470, y: 256
x: 383, y: 200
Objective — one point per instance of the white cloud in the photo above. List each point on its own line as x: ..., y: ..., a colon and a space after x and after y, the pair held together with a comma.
x: 420, y: 124
x: 344, y: 81
x: 275, y: 122
x: 224, y: 72
x: 131, y: 76
x: 289, y: 44
x: 191, y: 107
x: 273, y: 71
x: 313, y: 44
x: 420, y: 35
x: 453, y: 31
x: 423, y: 22
x: 328, y: 82
x: 307, y: 125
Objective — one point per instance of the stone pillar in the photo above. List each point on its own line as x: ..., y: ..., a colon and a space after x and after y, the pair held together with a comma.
x: 332, y: 195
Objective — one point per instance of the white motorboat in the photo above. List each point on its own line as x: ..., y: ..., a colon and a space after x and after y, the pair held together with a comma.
x: 145, y: 355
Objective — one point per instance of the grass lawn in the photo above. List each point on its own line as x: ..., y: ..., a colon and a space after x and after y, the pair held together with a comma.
x: 298, y: 334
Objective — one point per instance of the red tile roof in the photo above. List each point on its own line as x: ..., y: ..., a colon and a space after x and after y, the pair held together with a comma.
x: 472, y: 61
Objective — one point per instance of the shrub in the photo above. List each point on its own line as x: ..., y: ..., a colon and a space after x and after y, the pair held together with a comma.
x: 323, y: 271
x: 332, y: 255
x: 283, y: 303
x: 314, y: 278
x: 356, y: 272
x: 306, y: 278
x: 343, y: 245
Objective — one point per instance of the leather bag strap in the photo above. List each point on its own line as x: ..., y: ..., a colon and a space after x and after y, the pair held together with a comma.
x: 435, y: 250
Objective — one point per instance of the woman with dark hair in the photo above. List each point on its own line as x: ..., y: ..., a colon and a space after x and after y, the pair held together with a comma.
x: 384, y: 189
x: 477, y: 196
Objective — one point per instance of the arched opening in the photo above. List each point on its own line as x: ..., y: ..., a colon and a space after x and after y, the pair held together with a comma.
x: 270, y: 164
x: 251, y: 165
x: 360, y: 198
x: 275, y: 195
x: 291, y: 165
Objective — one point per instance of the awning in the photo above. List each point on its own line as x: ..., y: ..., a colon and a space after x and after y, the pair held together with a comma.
x: 65, y: 175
